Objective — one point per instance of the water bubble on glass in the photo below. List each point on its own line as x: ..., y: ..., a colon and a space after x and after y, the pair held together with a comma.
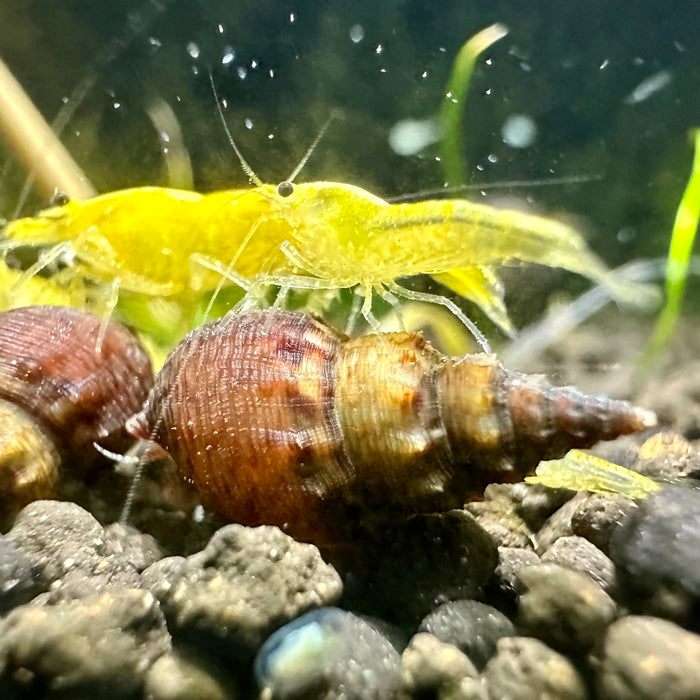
x: 649, y: 86
x: 357, y: 33
x: 192, y: 49
x: 519, y: 131
x: 409, y: 136
x: 626, y: 234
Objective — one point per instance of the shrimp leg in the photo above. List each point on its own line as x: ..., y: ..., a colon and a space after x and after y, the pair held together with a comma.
x: 449, y: 304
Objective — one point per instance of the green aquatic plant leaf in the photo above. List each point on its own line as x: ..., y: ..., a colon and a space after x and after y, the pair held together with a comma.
x: 678, y: 262
x: 452, y: 109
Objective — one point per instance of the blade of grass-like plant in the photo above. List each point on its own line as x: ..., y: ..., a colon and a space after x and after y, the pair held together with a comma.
x: 451, y: 156
x: 678, y: 261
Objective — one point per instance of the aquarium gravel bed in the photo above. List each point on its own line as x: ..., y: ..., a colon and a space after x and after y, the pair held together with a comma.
x: 529, y: 593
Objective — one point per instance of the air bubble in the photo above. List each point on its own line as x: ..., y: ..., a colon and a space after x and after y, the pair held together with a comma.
x: 357, y: 33
x: 518, y: 131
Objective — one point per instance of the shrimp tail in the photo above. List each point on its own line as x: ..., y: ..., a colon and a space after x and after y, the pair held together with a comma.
x: 481, y: 286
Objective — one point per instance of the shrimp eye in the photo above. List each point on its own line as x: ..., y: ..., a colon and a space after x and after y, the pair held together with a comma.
x: 59, y: 199
x: 284, y: 189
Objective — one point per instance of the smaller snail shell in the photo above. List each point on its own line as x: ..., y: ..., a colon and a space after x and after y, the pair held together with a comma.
x: 67, y: 379
x: 28, y: 458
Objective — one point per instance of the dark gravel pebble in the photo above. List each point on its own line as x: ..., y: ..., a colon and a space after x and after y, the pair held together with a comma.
x: 668, y: 457
x: 526, y: 669
x: 420, y: 563
x: 330, y: 654
x: 657, y: 551
x: 97, y: 646
x: 70, y: 550
x: 539, y: 502
x: 499, y: 518
x: 580, y: 555
x: 598, y: 516
x: 19, y: 580
x: 473, y: 627
x: 431, y: 668
x: 138, y: 549
x: 564, y: 608
x: 558, y: 524
x: 505, y: 584
x: 645, y: 658
x: 59, y: 538
x: 243, y: 585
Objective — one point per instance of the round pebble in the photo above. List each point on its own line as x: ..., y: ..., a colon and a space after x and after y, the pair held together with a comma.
x: 656, y: 552
x: 330, y: 654
x: 645, y: 658
x: 526, y: 669
x: 598, y: 516
x: 471, y: 626
x: 564, y: 608
x: 580, y: 555
x: 243, y: 585
x: 431, y: 668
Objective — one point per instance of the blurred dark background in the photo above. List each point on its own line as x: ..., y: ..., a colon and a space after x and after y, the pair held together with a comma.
x: 610, y: 88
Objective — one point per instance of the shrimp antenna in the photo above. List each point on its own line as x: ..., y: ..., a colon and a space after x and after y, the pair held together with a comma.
x: 311, y: 148
x: 244, y: 163
x: 498, y: 185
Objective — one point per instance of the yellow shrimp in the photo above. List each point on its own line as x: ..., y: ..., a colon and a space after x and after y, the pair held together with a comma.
x: 16, y: 291
x: 159, y: 242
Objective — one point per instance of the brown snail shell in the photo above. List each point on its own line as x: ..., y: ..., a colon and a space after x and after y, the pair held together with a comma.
x: 278, y: 419
x: 67, y: 379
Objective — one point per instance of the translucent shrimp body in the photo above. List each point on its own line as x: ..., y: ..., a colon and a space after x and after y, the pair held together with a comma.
x: 174, y: 243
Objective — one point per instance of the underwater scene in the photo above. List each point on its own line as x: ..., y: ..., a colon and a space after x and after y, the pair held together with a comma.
x: 349, y: 350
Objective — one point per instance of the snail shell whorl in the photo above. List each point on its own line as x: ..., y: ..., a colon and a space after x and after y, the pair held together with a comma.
x: 59, y: 393
x: 277, y: 419
x: 28, y: 459
x: 244, y: 406
x: 504, y: 423
x: 52, y: 368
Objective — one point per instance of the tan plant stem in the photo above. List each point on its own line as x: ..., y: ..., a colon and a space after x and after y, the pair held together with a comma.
x: 34, y: 144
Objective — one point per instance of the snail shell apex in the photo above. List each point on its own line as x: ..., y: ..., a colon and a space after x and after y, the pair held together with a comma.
x: 278, y: 419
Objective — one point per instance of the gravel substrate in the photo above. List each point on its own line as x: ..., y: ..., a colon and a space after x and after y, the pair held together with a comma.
x: 530, y: 593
